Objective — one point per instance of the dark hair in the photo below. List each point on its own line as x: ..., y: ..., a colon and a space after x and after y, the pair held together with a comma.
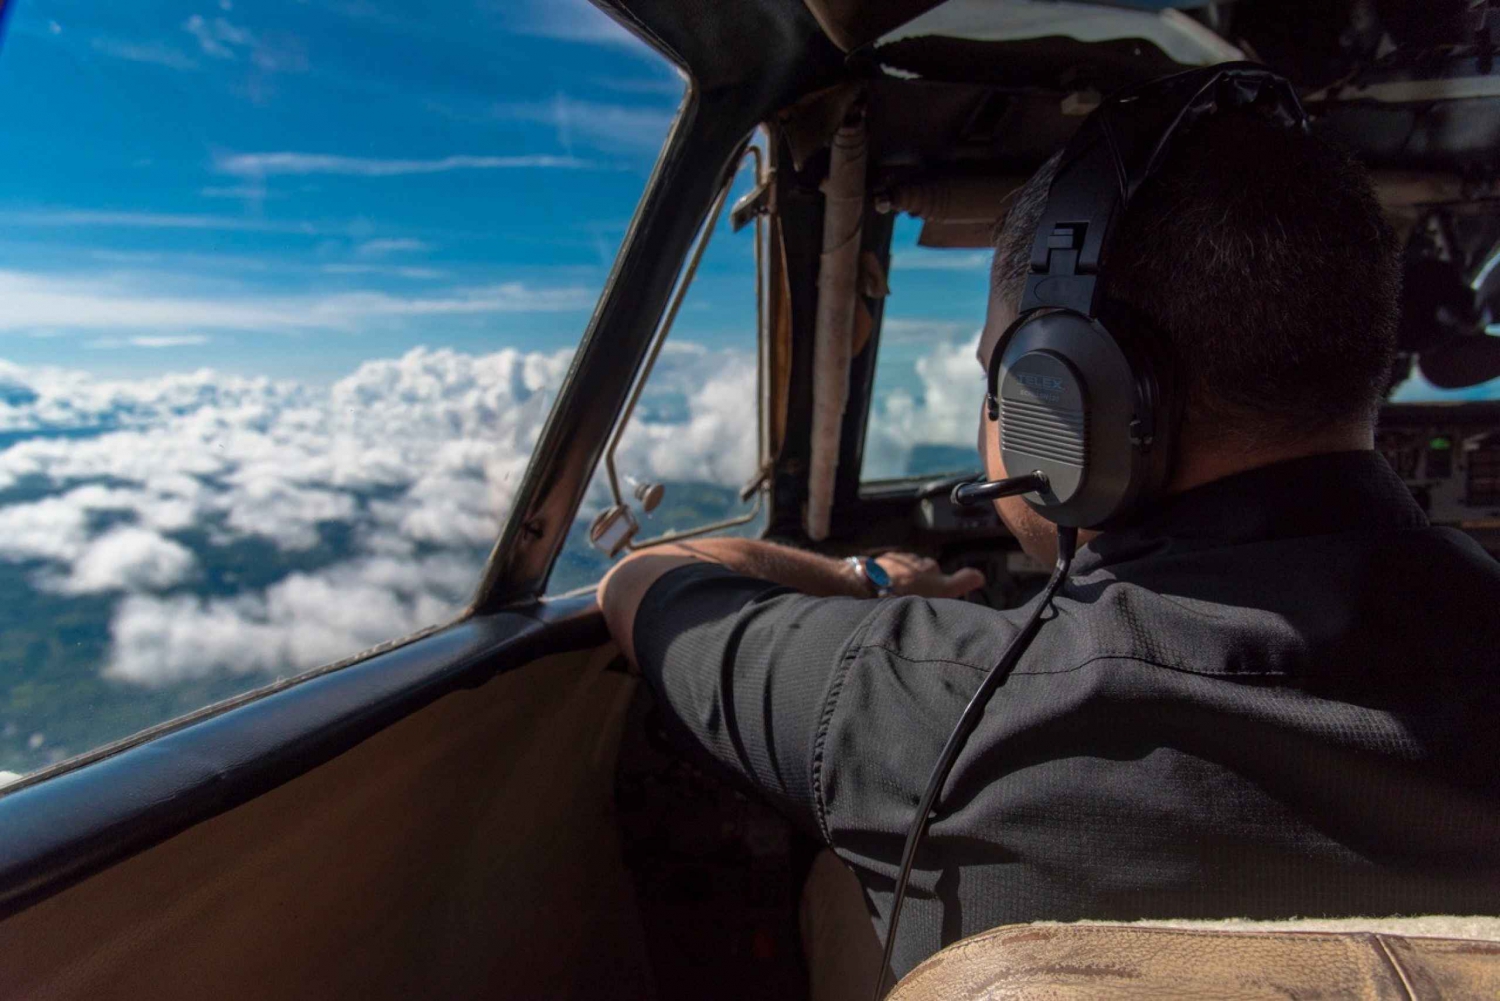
x: 1260, y: 254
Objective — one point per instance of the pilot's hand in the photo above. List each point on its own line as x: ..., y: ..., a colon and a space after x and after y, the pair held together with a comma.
x: 920, y: 576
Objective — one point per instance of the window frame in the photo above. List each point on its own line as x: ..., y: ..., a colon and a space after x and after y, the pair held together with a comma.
x: 755, y: 486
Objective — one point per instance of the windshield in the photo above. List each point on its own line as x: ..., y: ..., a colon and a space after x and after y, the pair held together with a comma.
x: 288, y: 288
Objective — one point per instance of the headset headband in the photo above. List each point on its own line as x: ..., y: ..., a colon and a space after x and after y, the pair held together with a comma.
x: 1119, y: 146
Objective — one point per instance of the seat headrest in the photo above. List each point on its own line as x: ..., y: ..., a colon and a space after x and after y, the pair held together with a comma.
x: 1061, y: 962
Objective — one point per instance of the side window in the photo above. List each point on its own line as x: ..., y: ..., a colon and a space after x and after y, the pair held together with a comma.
x: 924, y: 410
x: 287, y: 291
x: 1441, y: 274
x: 683, y: 459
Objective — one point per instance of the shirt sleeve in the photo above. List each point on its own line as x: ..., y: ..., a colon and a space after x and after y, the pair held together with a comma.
x: 742, y: 668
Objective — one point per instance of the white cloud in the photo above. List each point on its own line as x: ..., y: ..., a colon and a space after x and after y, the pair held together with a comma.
x: 945, y: 413
x: 220, y: 38
x: 717, y: 443
x: 389, y: 270
x: 248, y: 192
x: 154, y: 53
x: 129, y: 558
x: 217, y: 38
x: 52, y: 529
x: 45, y: 301
x: 58, y: 528
x: 671, y: 84
x: 922, y: 331
x: 150, y: 341
x: 375, y: 248
x: 286, y: 162
x: 615, y: 127
x: 345, y: 309
x: 928, y: 259
x: 304, y: 621
x: 154, y: 220
x: 414, y: 459
x: 573, y: 21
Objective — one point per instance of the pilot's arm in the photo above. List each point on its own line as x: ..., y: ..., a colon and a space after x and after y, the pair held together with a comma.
x: 743, y: 643
x: 622, y: 589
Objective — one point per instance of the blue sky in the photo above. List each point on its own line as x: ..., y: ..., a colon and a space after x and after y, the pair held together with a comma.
x: 287, y: 188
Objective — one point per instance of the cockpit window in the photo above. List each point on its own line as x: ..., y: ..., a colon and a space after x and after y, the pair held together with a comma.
x: 1416, y: 389
x: 924, y: 414
x: 684, y: 458
x: 287, y: 291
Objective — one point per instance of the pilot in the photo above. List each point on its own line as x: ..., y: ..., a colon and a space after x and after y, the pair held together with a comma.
x: 1273, y: 693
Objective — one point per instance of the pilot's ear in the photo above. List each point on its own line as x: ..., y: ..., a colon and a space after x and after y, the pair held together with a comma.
x: 999, y: 315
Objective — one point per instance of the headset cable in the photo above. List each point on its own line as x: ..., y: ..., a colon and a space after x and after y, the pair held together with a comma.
x: 1067, y: 543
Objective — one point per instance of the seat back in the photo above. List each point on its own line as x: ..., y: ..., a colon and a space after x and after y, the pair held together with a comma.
x: 1062, y: 962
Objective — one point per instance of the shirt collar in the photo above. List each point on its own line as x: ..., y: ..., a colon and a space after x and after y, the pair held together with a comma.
x: 1315, y: 495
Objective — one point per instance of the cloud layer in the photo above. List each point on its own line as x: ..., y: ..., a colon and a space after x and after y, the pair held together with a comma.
x: 938, y: 408
x: 377, y: 496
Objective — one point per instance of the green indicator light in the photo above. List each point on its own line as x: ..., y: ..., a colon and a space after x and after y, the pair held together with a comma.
x: 1440, y: 444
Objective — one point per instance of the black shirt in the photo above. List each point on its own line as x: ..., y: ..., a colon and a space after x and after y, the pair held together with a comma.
x: 1274, y: 696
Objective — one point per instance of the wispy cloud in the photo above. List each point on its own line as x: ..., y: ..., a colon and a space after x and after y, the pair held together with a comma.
x: 152, y: 220
x: 607, y: 126
x: 154, y: 53
x: 37, y: 301
x: 665, y: 86
x: 150, y: 341
x: 375, y: 248
x: 217, y: 37
x: 941, y: 260
x: 390, y: 270
x: 923, y: 331
x: 220, y: 38
x: 145, y: 262
x: 251, y: 192
x: 264, y: 164
x: 572, y: 21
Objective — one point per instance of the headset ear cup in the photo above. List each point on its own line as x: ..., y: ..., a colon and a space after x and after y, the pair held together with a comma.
x: 1158, y: 392
x: 1084, y: 407
x: 991, y: 407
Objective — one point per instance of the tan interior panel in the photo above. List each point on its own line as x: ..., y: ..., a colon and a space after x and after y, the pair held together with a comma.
x: 468, y: 850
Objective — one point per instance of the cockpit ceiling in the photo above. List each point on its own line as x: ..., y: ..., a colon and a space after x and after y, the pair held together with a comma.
x: 851, y: 24
x: 1182, y: 39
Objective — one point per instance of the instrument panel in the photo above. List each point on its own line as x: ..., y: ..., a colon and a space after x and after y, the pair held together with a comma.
x: 1448, y: 455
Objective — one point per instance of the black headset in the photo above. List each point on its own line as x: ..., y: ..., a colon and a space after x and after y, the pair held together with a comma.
x: 1086, y: 395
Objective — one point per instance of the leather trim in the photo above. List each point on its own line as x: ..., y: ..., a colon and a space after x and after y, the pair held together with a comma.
x: 57, y: 832
x: 1060, y: 962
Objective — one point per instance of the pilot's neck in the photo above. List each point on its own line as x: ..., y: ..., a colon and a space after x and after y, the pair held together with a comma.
x: 1199, y: 463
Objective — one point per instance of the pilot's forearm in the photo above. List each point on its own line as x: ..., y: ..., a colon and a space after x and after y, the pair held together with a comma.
x: 623, y: 588
x: 810, y: 573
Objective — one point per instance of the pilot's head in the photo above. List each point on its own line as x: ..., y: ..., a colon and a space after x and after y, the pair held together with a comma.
x: 1261, y: 256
